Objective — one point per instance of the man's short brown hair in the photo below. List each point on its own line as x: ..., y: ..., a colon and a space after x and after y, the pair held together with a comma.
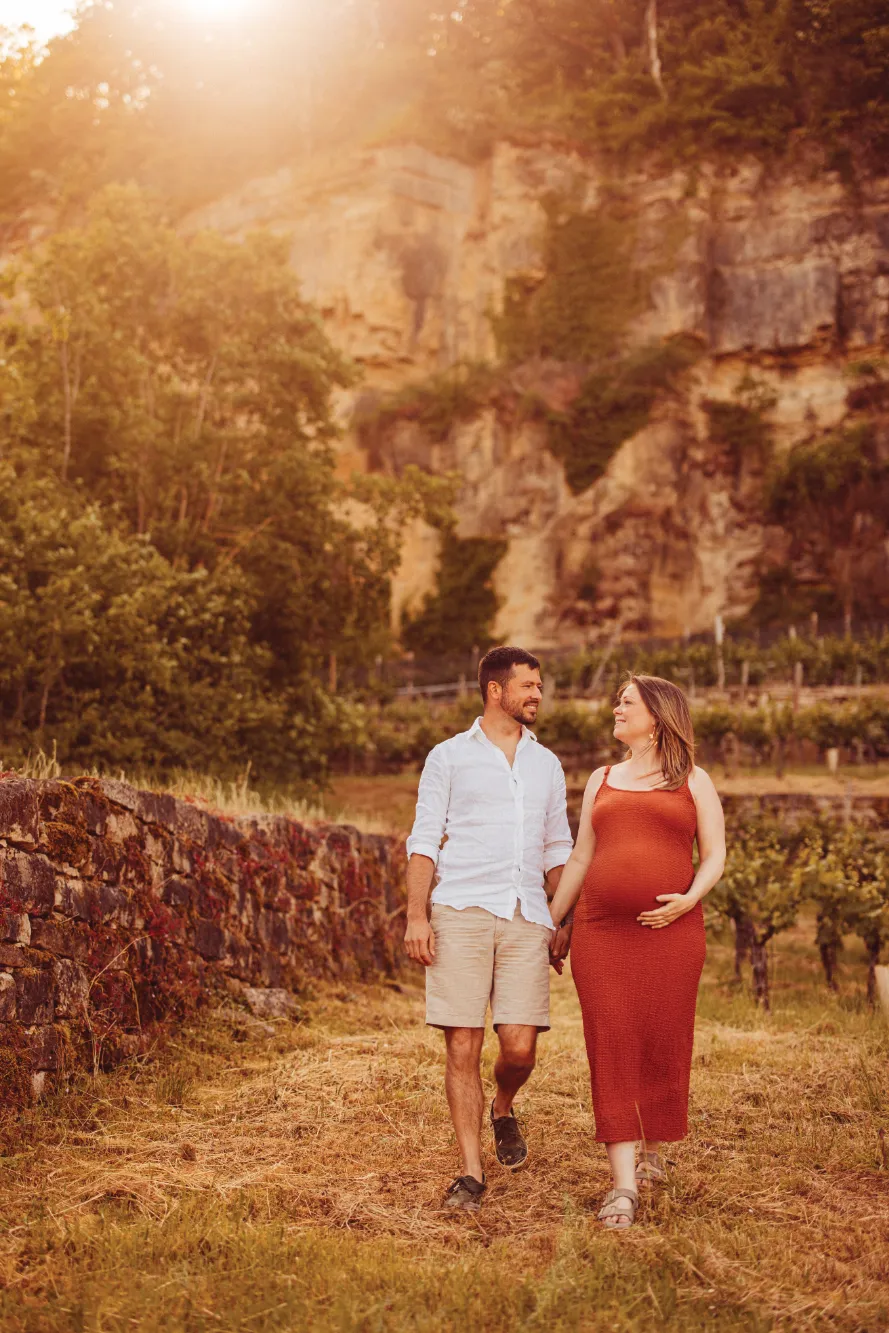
x: 497, y: 664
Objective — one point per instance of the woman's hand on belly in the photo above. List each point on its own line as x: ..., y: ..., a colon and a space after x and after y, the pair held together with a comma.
x: 675, y: 906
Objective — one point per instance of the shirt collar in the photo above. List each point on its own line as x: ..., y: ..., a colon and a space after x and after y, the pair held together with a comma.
x: 476, y: 729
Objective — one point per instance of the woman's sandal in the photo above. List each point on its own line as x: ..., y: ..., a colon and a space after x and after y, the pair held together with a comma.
x: 650, y: 1169
x: 613, y: 1208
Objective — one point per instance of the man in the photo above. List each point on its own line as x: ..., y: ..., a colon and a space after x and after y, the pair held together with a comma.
x: 497, y: 798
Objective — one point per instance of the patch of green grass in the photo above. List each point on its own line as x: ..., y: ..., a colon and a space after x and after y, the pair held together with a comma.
x: 174, y: 1087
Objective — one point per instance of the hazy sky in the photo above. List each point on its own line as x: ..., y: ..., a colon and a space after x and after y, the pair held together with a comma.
x: 46, y: 16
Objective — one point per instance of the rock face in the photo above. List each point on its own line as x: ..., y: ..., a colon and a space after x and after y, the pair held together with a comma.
x: 783, y: 276
x: 122, y: 911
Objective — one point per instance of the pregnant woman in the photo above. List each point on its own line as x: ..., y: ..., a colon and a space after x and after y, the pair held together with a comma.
x: 638, y: 942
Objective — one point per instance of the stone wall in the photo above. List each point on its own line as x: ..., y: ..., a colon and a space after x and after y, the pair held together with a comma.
x: 121, y: 911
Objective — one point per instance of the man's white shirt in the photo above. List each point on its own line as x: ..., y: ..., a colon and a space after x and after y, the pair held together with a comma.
x: 504, y: 828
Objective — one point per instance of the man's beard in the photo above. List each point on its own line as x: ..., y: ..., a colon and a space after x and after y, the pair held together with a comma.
x: 517, y: 712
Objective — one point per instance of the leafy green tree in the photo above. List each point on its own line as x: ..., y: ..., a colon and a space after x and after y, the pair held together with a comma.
x: 114, y: 656
x: 185, y: 382
x: 184, y: 387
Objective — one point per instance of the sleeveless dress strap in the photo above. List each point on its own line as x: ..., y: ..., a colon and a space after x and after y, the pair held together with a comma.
x: 603, y: 784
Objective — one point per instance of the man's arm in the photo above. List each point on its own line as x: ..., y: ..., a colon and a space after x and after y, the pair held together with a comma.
x: 423, y: 847
x: 557, y: 847
x: 419, y: 939
x: 560, y: 941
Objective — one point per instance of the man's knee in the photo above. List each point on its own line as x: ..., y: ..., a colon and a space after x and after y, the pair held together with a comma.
x: 519, y: 1049
x: 464, y: 1047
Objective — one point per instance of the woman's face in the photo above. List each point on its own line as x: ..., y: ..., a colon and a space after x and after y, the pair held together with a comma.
x: 633, y: 724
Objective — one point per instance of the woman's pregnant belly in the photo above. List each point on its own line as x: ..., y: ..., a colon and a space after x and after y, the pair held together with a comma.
x: 625, y: 885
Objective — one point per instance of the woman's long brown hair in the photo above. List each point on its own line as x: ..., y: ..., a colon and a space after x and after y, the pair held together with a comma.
x: 674, y: 734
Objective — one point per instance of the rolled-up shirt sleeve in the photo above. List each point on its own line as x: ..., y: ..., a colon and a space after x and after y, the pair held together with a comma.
x: 557, y: 841
x: 432, y: 807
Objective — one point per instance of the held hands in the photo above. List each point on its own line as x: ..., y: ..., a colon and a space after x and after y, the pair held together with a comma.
x: 675, y: 906
x: 419, y: 940
x: 559, y: 944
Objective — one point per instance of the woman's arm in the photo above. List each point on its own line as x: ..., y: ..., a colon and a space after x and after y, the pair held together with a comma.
x: 575, y: 868
x: 711, y: 848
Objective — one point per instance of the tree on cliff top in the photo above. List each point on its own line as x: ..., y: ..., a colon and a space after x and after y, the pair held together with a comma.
x: 191, y: 108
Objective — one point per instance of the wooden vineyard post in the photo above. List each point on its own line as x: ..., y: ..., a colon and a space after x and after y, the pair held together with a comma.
x: 730, y: 754
x: 881, y: 972
x: 718, y: 635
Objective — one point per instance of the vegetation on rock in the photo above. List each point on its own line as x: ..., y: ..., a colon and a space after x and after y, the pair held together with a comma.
x: 458, y: 615
x: 615, y: 401
x: 831, y: 496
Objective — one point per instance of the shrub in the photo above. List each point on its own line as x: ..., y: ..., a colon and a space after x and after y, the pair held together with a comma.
x: 758, y: 896
x: 458, y: 616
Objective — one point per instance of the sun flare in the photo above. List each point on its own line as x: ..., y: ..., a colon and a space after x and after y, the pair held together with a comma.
x: 217, y: 9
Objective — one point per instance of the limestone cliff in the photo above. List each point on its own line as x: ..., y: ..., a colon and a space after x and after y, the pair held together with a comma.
x: 785, y: 275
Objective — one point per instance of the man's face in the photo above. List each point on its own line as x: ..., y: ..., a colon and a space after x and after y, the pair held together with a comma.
x: 522, y: 695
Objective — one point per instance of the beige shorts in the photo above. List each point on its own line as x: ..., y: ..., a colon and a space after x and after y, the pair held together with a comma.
x: 482, y: 958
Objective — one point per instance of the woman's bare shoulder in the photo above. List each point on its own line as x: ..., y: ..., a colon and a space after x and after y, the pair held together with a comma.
x: 700, y: 781
x: 595, y: 780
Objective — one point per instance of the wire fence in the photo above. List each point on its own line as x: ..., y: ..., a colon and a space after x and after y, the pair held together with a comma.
x: 826, y: 657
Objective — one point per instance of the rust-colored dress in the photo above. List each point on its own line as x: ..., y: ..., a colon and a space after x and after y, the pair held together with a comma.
x: 638, y: 987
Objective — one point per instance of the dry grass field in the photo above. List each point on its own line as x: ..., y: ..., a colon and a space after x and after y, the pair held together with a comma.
x: 256, y: 1179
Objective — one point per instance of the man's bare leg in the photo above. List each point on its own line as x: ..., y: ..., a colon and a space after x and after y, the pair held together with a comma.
x: 463, y: 1084
x: 518, y: 1053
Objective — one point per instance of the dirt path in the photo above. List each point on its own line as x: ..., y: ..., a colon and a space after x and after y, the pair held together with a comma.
x: 298, y: 1185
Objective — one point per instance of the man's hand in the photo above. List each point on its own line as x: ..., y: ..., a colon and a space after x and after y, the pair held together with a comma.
x: 419, y: 940
x: 559, y: 944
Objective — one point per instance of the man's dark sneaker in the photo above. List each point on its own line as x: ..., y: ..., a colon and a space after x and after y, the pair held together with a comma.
x: 466, y: 1192
x: 509, y: 1142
